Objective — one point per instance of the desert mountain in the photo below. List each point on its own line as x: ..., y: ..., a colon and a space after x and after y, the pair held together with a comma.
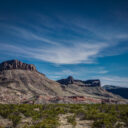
x: 88, y: 88
x: 121, y: 91
x: 22, y: 83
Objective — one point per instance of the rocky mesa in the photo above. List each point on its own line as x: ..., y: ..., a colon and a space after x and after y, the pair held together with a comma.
x: 87, y: 83
x: 15, y: 64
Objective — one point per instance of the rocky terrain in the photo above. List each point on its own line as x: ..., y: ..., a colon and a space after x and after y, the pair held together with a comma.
x: 89, y: 90
x: 22, y: 83
x: 63, y: 119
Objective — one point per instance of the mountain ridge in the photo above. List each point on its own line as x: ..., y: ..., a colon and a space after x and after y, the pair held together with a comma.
x: 121, y: 91
x: 87, y: 83
x: 22, y: 83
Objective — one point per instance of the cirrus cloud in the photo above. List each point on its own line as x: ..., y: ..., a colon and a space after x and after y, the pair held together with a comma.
x: 75, y: 54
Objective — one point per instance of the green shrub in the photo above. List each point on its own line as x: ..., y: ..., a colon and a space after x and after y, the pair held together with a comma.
x: 103, y: 115
x: 71, y: 119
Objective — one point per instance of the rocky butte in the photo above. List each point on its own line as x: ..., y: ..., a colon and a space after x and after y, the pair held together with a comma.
x: 15, y: 64
x: 68, y: 80
x: 87, y: 83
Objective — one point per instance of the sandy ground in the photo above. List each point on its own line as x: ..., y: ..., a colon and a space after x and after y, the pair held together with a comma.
x: 80, y: 123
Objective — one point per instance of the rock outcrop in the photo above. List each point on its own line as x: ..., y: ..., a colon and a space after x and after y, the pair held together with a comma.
x: 87, y: 83
x: 15, y: 64
x: 68, y: 80
x: 93, y: 83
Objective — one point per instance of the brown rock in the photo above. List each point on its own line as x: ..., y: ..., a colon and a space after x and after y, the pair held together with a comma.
x: 15, y: 64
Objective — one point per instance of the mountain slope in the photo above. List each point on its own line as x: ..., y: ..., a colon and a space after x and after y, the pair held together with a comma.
x: 21, y: 83
x: 88, y: 88
x: 121, y: 91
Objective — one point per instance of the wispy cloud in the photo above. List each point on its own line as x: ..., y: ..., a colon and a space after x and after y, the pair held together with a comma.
x: 72, y: 41
x: 82, y: 73
x: 103, y: 72
x: 23, y: 33
x: 61, y: 74
x: 77, y: 53
x: 115, y: 80
x: 85, y: 45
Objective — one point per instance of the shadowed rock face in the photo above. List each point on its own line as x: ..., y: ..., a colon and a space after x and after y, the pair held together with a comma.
x: 87, y: 83
x: 15, y: 64
x: 66, y: 81
x: 93, y: 83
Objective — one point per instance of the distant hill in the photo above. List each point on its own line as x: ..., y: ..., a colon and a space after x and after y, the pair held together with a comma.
x: 22, y: 83
x: 121, y: 91
x: 91, y: 88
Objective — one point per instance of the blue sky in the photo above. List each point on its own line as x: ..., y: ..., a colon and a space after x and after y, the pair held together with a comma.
x: 87, y: 39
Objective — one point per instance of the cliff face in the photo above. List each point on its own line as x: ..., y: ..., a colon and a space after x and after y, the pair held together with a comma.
x: 93, y: 83
x: 15, y: 64
x: 67, y: 81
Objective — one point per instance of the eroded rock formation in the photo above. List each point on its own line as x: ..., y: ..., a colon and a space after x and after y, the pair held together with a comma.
x: 68, y: 80
x: 15, y: 64
x: 87, y: 83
